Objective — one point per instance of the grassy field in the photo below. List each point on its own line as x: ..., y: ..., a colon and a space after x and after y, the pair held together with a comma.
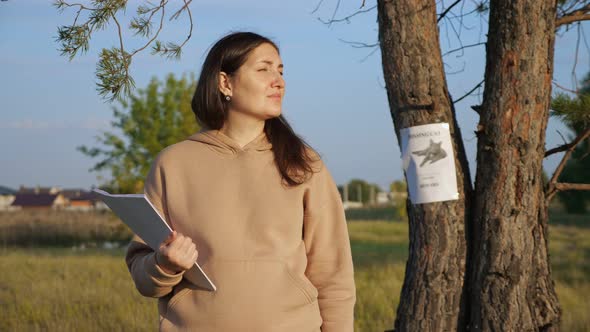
x: 65, y: 289
x: 50, y: 228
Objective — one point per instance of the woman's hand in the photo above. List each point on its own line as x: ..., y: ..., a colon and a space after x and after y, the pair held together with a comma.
x: 177, y: 253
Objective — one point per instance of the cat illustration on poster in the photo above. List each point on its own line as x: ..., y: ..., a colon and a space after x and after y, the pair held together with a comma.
x: 433, y: 153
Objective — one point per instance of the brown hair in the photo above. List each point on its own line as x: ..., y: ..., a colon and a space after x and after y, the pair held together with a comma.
x: 292, y: 155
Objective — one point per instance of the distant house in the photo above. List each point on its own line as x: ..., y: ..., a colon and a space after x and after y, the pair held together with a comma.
x: 352, y: 205
x: 6, y: 197
x: 6, y: 191
x: 79, y: 199
x: 38, y: 201
x: 72, y: 193
x: 52, y: 198
x: 383, y: 198
x: 38, y: 190
x: 395, y: 195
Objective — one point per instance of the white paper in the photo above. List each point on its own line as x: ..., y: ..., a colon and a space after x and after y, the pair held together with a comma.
x: 137, y: 212
x: 429, y: 163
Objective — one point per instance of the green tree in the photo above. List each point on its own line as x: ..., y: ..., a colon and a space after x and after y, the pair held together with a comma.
x: 399, y: 190
x: 574, y: 113
x: 360, y: 190
x: 399, y: 186
x: 155, y: 117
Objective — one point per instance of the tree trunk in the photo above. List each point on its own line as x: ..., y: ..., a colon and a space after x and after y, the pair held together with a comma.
x: 433, y: 293
x: 512, y: 289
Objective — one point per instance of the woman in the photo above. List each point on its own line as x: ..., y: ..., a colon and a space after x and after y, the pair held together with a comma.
x: 253, y: 204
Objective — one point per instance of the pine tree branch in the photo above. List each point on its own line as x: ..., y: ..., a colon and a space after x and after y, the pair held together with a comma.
x: 462, y: 48
x: 359, y: 44
x: 154, y: 10
x: 581, y: 14
x: 347, y: 18
x: 334, y: 14
x: 468, y: 93
x: 552, y: 189
x: 113, y: 66
x: 566, y: 89
x: 558, y: 149
x: 126, y: 64
x: 441, y: 16
x: 572, y: 186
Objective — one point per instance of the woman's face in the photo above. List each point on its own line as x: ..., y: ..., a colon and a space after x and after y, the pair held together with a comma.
x: 257, y: 87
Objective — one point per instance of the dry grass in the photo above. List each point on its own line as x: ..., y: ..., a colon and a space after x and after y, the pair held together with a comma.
x: 61, y: 289
x: 32, y: 228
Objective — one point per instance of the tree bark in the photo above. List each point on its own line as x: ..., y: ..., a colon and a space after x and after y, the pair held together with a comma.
x: 512, y: 289
x: 433, y: 295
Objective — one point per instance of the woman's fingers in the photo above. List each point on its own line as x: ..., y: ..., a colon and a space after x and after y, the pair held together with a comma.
x: 170, y: 238
x: 185, y: 244
x: 194, y: 257
x: 188, y: 252
x: 178, y: 244
x: 180, y: 252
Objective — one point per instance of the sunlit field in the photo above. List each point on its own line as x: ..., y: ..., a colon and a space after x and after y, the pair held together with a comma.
x: 69, y: 288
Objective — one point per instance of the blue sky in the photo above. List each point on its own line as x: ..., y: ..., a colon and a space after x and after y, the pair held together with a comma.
x: 334, y: 99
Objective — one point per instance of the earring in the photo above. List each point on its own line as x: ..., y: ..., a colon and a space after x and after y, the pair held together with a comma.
x: 228, y: 98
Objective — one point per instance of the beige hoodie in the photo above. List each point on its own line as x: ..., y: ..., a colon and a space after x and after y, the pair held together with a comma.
x: 280, y: 257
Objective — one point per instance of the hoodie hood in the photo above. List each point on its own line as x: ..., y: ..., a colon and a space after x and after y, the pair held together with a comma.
x: 222, y: 143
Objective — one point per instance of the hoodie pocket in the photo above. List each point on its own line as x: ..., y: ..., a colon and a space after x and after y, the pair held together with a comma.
x: 247, y: 286
x: 248, y: 291
x: 267, y: 283
x: 306, y: 287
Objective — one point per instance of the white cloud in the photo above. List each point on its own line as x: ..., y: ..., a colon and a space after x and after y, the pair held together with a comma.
x: 30, y: 124
x: 96, y: 124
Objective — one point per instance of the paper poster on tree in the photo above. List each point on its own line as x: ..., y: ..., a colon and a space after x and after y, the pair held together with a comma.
x: 429, y: 163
